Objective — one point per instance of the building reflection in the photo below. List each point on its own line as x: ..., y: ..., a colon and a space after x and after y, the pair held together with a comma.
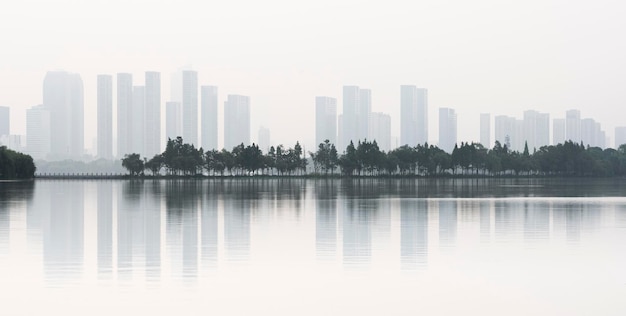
x: 152, y: 224
x: 485, y: 220
x: 63, y: 232
x: 130, y: 228
x: 105, y: 228
x: 447, y: 223
x: 209, y: 224
x: 181, y: 207
x: 238, y: 204
x: 357, y: 231
x: 413, y: 234
x: 326, y: 219
x: 536, y: 221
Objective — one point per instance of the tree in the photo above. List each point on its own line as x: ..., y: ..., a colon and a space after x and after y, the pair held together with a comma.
x: 154, y: 165
x: 134, y: 164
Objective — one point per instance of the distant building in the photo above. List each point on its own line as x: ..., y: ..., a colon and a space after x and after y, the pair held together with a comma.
x: 63, y: 97
x: 536, y: 130
x: 485, y: 130
x: 38, y: 132
x: 105, y: 117
x: 509, y: 132
x: 173, y: 120
x: 413, y: 115
x: 325, y: 120
x: 208, y: 126
x: 447, y: 129
x: 264, y: 139
x: 572, y: 126
x: 124, y: 113
x: 380, y: 130
x: 5, y: 121
x: 558, y: 131
x: 13, y: 142
x: 620, y: 136
x: 152, y: 115
x: 236, y: 121
x: 138, y: 126
x: 357, y: 106
x: 190, y: 107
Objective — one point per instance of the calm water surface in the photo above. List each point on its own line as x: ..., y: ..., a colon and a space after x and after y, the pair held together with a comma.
x: 313, y: 247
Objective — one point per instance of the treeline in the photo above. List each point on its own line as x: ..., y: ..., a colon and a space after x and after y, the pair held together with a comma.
x: 15, y: 165
x: 366, y: 159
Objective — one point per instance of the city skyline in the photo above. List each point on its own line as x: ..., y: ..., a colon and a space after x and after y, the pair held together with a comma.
x: 534, y: 128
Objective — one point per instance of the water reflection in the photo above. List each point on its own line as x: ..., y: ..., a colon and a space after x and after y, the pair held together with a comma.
x: 414, y: 234
x: 326, y: 219
x: 145, y: 228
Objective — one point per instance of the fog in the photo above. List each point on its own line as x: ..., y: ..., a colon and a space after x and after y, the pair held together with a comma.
x: 501, y: 57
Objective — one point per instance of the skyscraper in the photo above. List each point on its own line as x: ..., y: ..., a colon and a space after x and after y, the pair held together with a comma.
x: 5, y: 122
x: 209, y: 117
x: 509, y: 132
x: 350, y: 123
x: 365, y: 109
x: 105, y: 116
x: 572, y: 126
x: 380, y: 130
x: 264, y: 139
x: 173, y: 120
x: 558, y: 131
x: 620, y: 136
x: 152, y: 114
x: 138, y: 129
x: 190, y: 107
x: 38, y: 132
x: 536, y: 130
x: 413, y: 115
x: 447, y: 129
x: 124, y: 113
x: 236, y: 121
x: 485, y: 130
x: 63, y: 96
x: 325, y: 120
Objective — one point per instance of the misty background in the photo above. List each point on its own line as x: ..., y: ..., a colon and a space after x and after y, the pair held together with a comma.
x: 500, y: 57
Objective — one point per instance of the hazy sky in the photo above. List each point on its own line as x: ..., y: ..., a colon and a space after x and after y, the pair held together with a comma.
x: 475, y: 56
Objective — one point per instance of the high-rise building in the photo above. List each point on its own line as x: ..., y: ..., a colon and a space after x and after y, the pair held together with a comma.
x: 138, y: 129
x: 620, y: 136
x: 236, y: 121
x: 124, y: 113
x: 508, y: 132
x: 173, y: 120
x: 5, y: 121
x: 105, y: 116
x: 190, y: 107
x: 325, y: 120
x: 350, y: 123
x: 38, y: 132
x: 447, y: 129
x: 152, y: 114
x: 380, y: 130
x: 413, y: 115
x: 208, y: 126
x: 485, y: 130
x: 264, y: 139
x: 558, y: 131
x: 536, y: 130
x: 365, y: 109
x: 63, y: 96
x: 572, y: 126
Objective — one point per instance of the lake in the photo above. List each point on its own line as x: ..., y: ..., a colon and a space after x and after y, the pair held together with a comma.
x: 313, y: 247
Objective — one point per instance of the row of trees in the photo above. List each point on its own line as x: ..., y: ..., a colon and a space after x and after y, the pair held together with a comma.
x: 15, y: 165
x: 180, y: 158
x: 366, y: 158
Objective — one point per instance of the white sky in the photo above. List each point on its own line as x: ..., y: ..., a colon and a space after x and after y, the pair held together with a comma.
x: 495, y: 56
